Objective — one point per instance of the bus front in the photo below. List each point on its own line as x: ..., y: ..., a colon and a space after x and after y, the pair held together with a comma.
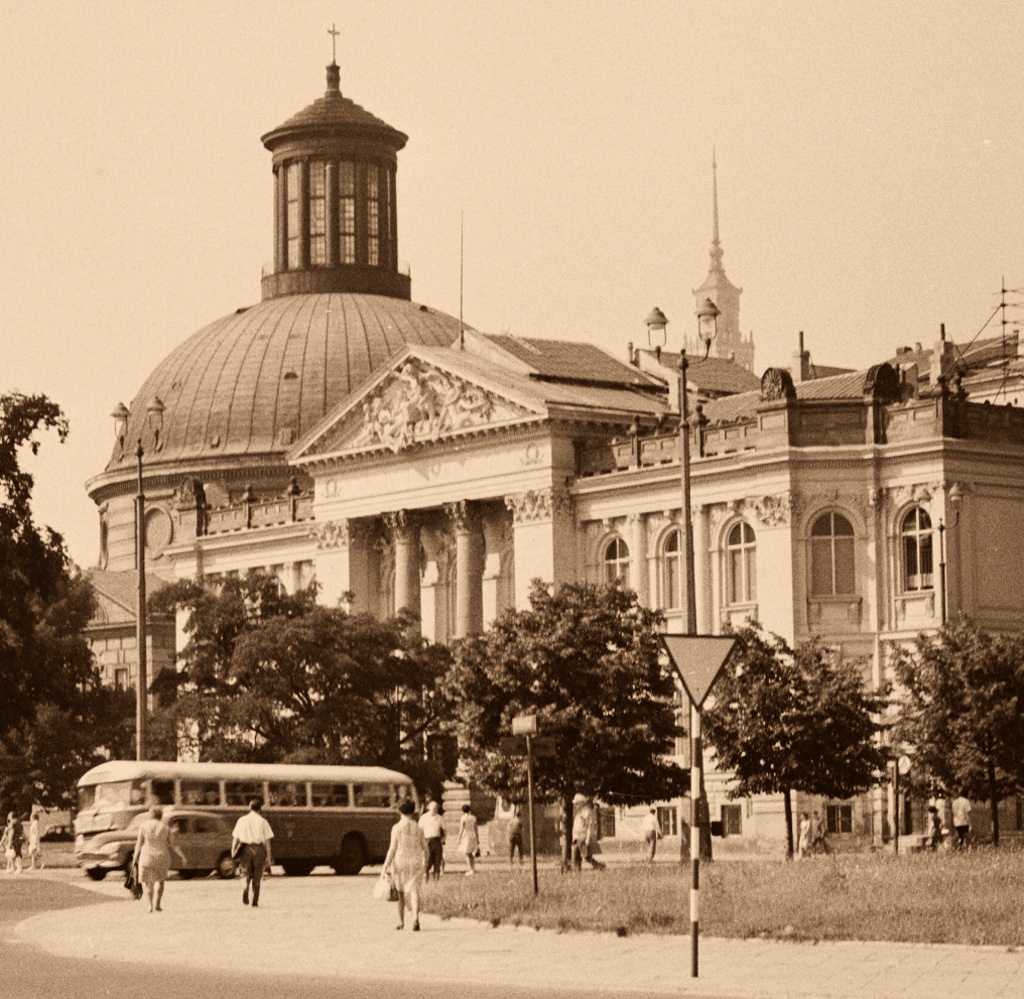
x: 108, y: 797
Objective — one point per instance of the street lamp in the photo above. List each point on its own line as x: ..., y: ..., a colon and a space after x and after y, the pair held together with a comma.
x: 956, y: 496
x: 154, y: 419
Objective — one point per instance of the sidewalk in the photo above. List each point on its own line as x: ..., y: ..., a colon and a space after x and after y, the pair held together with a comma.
x: 327, y: 926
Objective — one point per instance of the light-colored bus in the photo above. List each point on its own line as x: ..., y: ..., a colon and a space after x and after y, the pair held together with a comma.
x: 336, y: 816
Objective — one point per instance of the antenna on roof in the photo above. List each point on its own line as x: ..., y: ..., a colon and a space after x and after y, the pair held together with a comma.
x: 462, y: 268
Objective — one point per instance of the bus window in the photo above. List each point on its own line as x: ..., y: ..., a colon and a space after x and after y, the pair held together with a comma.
x: 373, y: 795
x: 200, y: 792
x: 403, y: 791
x: 330, y: 795
x: 286, y: 794
x: 161, y: 791
x: 241, y: 792
x: 137, y: 795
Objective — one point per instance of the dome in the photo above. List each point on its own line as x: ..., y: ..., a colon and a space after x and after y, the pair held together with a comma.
x: 253, y: 382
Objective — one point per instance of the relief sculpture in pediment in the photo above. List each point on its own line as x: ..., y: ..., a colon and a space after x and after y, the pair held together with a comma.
x: 420, y: 403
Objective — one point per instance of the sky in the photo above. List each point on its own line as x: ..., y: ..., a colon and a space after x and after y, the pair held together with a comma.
x: 870, y: 176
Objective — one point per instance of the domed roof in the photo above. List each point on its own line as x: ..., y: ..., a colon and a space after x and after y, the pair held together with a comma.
x: 253, y: 382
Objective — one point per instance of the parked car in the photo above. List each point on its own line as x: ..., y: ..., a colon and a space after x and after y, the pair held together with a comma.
x: 204, y: 839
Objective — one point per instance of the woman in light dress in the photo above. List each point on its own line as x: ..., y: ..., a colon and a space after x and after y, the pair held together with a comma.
x: 152, y: 858
x: 469, y: 838
x: 406, y: 862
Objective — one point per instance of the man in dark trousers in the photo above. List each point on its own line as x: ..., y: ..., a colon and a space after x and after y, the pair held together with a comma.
x: 252, y: 835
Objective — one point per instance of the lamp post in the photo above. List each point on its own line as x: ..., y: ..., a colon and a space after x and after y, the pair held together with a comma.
x: 707, y: 328
x: 154, y: 418
x: 955, y: 499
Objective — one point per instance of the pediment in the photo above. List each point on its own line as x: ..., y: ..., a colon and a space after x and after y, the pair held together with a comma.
x: 416, y: 403
x: 109, y: 611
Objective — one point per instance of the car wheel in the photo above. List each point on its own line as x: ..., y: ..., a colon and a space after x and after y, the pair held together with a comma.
x: 297, y: 868
x: 225, y: 867
x: 96, y: 873
x: 351, y: 857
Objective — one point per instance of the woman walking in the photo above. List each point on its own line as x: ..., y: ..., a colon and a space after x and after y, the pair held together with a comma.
x: 469, y: 838
x: 406, y: 862
x: 152, y: 858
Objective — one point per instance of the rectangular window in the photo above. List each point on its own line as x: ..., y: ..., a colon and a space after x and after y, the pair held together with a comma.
x: 373, y: 795
x: 292, y: 219
x: 120, y: 679
x: 329, y: 795
x: 347, y: 211
x: 200, y: 792
x: 732, y: 820
x: 673, y: 591
x: 668, y: 820
x: 373, y: 215
x: 162, y: 791
x: 286, y: 794
x: 846, y: 581
x: 241, y: 792
x: 317, y: 214
x: 839, y: 818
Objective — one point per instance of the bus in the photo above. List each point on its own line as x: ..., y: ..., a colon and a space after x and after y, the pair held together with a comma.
x: 339, y: 816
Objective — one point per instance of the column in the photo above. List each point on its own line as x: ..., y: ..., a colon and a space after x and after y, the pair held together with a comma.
x: 405, y: 536
x: 468, y: 575
x: 280, y: 219
x: 331, y: 211
x: 544, y: 539
x: 304, y: 213
x: 702, y: 569
x: 636, y: 532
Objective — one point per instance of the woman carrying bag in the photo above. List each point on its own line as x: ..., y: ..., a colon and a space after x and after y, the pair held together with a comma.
x: 406, y: 862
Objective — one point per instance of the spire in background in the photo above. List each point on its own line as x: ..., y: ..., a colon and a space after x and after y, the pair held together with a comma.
x: 716, y: 246
x: 333, y: 71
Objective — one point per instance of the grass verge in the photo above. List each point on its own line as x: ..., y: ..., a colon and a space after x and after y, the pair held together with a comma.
x: 976, y: 898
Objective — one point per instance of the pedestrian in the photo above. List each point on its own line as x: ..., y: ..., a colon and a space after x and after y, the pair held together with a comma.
x: 35, y: 852
x: 433, y: 832
x: 515, y: 836
x: 406, y: 862
x: 14, y: 841
x: 252, y: 837
x: 934, y: 828
x: 583, y: 834
x: 961, y: 819
x: 819, y: 832
x: 651, y: 834
x: 151, y: 860
x: 805, y: 836
x: 469, y: 838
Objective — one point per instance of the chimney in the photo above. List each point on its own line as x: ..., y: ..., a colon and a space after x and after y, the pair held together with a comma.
x: 802, y: 362
x: 942, y: 356
x: 629, y: 351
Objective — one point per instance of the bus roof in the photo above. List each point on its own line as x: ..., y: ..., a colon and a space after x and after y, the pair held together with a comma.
x: 120, y: 770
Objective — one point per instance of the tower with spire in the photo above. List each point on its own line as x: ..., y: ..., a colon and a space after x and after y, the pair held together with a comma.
x: 730, y: 342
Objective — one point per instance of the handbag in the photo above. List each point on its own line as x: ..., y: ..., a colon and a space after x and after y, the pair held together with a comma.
x: 132, y: 883
x: 385, y: 888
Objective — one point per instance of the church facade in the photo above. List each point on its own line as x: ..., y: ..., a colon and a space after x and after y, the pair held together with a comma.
x: 339, y: 432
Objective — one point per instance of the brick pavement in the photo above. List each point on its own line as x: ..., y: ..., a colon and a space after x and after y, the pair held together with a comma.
x: 324, y: 925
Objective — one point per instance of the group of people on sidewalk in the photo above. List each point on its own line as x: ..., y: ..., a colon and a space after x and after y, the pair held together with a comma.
x: 14, y: 841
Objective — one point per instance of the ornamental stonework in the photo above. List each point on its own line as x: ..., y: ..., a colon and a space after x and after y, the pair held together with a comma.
x: 333, y: 535
x: 538, y: 505
x: 772, y: 511
x: 421, y: 403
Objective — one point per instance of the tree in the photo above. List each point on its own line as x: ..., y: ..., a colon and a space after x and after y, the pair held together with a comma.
x: 56, y: 718
x: 585, y: 661
x: 961, y: 708
x: 785, y: 721
x: 271, y: 676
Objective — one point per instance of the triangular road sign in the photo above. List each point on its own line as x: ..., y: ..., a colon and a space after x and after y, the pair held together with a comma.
x: 698, y: 659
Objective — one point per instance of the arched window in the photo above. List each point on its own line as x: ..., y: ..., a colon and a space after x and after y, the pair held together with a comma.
x: 832, y: 567
x: 672, y: 570
x: 616, y: 560
x: 917, y: 550
x: 741, y: 565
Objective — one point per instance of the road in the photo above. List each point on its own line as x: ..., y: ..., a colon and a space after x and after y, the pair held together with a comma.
x: 27, y: 972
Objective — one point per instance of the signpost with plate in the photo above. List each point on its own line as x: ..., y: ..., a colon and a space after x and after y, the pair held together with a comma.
x: 697, y: 660
x: 524, y: 727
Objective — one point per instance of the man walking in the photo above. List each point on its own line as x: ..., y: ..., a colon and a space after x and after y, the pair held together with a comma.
x: 961, y: 819
x: 433, y: 832
x: 651, y: 834
x: 515, y: 836
x: 252, y: 835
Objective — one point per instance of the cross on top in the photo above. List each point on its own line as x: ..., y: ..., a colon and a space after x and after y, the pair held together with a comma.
x: 334, y: 42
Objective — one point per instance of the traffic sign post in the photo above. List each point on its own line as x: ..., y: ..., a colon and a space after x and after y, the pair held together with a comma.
x: 525, y: 726
x: 697, y: 660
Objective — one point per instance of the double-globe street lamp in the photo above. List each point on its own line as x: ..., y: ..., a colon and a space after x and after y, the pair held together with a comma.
x: 154, y: 420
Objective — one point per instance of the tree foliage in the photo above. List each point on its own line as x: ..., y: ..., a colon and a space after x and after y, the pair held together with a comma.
x: 271, y: 676
x: 585, y: 662
x: 786, y: 720
x: 961, y: 711
x: 56, y: 718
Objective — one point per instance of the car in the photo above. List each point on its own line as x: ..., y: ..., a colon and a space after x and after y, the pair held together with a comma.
x: 204, y: 839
